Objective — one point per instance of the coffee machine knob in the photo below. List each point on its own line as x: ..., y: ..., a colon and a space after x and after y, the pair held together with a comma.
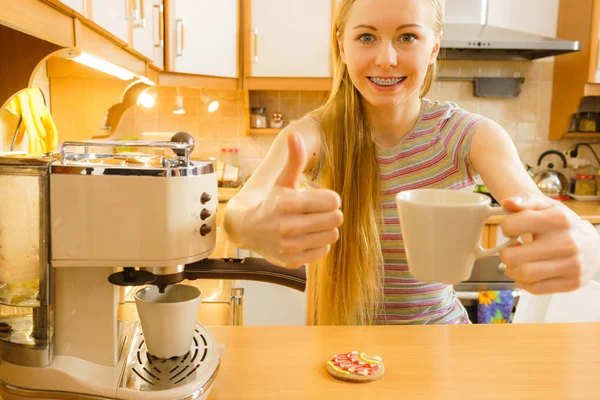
x: 205, y: 230
x: 182, y: 137
x: 205, y: 214
x: 205, y: 198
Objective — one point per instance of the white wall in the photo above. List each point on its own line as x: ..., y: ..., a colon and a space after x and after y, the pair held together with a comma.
x: 533, y: 16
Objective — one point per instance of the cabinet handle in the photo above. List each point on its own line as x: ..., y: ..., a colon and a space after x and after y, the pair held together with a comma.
x: 139, y: 22
x: 161, y: 25
x: 135, y: 11
x: 255, y: 42
x: 181, y: 38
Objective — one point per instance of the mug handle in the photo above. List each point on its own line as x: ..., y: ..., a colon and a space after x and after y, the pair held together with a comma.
x: 482, y: 252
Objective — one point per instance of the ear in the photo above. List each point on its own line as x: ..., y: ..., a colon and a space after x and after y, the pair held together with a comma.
x: 340, y: 43
x: 436, y: 50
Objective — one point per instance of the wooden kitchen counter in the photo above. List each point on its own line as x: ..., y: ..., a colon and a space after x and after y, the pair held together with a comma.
x: 588, y: 210
x: 525, y: 361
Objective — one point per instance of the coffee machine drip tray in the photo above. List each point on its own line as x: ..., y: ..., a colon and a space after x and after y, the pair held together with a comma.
x: 194, y: 373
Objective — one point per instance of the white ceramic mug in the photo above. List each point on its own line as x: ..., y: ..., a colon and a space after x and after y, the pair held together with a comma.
x: 442, y: 230
x: 168, y: 319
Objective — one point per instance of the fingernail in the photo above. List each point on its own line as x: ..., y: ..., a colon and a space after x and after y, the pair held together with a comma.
x: 518, y: 201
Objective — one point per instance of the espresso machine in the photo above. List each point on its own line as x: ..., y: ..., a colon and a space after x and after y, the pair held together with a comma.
x: 76, y: 225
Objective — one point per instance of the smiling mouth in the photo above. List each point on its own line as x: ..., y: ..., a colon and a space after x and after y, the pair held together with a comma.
x: 386, y: 82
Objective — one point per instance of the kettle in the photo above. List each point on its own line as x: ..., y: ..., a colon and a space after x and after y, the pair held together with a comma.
x: 552, y: 183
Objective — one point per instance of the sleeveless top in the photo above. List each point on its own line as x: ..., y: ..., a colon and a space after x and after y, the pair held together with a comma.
x: 434, y: 154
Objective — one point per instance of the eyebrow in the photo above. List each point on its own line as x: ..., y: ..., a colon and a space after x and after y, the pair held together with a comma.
x: 371, y: 27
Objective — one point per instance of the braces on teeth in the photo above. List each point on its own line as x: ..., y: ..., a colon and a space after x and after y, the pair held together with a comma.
x: 386, y: 82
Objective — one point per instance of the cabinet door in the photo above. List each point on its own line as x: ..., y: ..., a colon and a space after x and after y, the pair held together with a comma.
x: 205, y: 37
x: 148, y: 31
x: 114, y: 16
x: 77, y: 5
x: 266, y: 304
x: 290, y: 38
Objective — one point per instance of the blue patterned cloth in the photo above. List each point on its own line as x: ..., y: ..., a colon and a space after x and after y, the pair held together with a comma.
x: 495, y: 307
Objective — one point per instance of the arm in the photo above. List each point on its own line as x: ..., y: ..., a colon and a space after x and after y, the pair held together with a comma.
x: 495, y: 158
x: 561, y: 251
x: 270, y: 216
x: 263, y: 178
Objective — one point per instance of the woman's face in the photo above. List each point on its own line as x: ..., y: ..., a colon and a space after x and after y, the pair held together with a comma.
x: 387, y: 46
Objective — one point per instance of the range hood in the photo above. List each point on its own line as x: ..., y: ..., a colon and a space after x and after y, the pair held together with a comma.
x: 468, y: 36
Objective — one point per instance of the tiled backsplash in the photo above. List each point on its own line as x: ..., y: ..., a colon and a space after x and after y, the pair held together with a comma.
x: 526, y: 118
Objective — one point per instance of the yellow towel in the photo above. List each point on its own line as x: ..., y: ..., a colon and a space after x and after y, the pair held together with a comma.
x: 36, y: 120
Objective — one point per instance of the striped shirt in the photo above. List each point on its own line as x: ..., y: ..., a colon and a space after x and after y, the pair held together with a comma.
x: 434, y: 154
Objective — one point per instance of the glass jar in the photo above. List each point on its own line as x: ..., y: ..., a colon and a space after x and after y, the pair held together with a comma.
x: 228, y: 169
x: 587, y: 122
x: 258, y: 119
x: 585, y: 185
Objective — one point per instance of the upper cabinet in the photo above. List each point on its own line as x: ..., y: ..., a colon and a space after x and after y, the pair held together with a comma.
x: 114, y: 16
x: 149, y: 31
x: 204, y: 37
x: 577, y: 74
x: 280, y: 42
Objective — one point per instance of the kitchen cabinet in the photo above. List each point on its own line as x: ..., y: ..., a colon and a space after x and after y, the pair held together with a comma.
x: 576, y: 74
x: 278, y: 42
x: 204, y: 37
x: 148, y: 36
x: 114, y: 16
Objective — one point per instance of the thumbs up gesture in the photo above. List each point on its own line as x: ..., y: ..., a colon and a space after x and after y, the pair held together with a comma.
x: 292, y: 227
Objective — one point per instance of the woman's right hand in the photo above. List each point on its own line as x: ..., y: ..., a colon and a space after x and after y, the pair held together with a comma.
x: 291, y: 227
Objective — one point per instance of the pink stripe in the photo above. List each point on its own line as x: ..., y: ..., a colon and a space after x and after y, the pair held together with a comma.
x: 389, y: 236
x: 433, y: 115
x: 426, y: 289
x: 418, y: 167
x: 413, y: 304
x: 424, y: 183
x: 404, y: 154
x: 392, y: 251
x: 453, y: 130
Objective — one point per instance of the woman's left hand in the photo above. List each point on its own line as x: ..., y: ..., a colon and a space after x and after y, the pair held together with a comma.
x: 561, y: 251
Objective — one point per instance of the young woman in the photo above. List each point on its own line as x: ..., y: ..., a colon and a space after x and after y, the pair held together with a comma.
x: 378, y: 135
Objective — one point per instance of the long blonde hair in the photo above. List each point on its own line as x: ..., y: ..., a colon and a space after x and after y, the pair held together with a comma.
x: 348, y: 287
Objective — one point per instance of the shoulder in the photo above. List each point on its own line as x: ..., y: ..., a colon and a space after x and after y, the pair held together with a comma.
x: 448, y: 112
x: 490, y: 135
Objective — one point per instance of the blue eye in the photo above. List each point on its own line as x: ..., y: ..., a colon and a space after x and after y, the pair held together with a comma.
x: 407, y: 38
x: 366, y: 38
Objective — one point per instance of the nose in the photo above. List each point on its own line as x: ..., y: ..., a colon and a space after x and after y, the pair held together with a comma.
x: 387, y: 56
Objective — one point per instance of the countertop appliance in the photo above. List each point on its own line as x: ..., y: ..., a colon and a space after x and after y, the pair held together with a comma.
x: 76, y: 224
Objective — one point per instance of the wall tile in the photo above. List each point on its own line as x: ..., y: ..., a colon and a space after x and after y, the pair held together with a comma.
x: 528, y: 101
x: 526, y: 131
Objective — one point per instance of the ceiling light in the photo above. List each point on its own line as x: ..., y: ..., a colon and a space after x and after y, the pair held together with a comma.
x: 179, y: 105
x: 145, y: 99
x: 211, y: 105
x: 98, y: 63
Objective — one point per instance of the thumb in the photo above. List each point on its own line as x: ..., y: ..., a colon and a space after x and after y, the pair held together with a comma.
x: 292, y: 171
x: 529, y: 201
